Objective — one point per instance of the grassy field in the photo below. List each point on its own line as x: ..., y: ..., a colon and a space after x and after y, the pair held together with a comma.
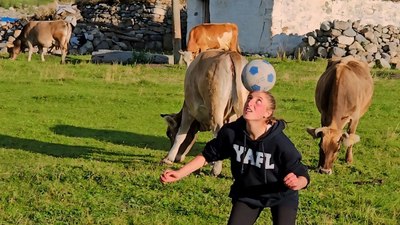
x: 81, y: 144
x: 23, y: 3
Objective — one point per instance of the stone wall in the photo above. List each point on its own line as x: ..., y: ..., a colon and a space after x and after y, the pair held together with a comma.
x: 140, y: 25
x: 295, y: 18
x: 374, y: 44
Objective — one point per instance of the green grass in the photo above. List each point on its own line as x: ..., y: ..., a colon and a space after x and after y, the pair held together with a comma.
x: 81, y: 144
x: 23, y: 3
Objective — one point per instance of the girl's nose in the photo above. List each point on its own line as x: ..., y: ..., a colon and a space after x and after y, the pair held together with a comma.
x: 251, y: 102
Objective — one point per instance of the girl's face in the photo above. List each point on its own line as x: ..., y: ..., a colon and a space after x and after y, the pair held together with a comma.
x: 257, y: 106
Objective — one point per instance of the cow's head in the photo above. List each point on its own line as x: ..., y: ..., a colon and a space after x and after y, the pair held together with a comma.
x: 187, y: 57
x: 173, y: 121
x: 14, y: 48
x: 329, y: 145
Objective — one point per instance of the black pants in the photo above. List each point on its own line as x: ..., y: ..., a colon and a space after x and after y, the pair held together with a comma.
x: 243, y: 214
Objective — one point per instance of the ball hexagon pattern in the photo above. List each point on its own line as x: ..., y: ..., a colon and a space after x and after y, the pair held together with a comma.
x: 258, y: 75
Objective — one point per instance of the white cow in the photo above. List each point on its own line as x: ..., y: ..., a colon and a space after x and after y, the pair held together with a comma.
x: 214, y: 95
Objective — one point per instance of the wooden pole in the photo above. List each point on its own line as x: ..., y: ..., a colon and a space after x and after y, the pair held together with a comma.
x: 177, y: 31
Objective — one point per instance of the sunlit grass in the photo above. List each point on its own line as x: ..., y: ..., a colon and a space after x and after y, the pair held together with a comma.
x: 81, y: 143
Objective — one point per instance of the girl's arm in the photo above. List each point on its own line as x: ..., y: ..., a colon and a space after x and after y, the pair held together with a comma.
x: 175, y: 175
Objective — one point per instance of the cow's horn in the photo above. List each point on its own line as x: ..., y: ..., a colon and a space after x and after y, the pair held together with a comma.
x: 318, y: 130
x: 311, y: 131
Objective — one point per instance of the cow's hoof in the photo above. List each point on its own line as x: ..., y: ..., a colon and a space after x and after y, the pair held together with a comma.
x: 179, y: 158
x: 166, y: 161
x: 216, y: 169
x: 325, y: 171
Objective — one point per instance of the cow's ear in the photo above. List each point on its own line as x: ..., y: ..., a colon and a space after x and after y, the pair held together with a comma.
x: 312, y: 132
x: 170, y: 118
x: 350, y: 139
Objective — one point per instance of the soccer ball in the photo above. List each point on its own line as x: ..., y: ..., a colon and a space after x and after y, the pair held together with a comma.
x: 258, y: 75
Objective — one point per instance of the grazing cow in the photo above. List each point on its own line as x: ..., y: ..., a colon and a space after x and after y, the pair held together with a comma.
x: 44, y: 34
x: 206, y: 36
x: 214, y: 95
x: 343, y: 94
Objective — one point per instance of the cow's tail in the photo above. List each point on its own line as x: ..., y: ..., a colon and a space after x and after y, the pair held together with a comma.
x: 238, y: 97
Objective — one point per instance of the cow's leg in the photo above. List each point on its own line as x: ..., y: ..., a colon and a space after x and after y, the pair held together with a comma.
x: 351, y: 130
x: 63, y: 53
x: 63, y: 44
x: 188, y: 142
x: 42, y: 50
x: 30, y: 52
x: 181, y: 136
x: 63, y: 56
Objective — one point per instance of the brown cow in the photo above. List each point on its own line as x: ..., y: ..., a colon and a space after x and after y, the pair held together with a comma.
x: 214, y: 95
x: 343, y: 94
x: 44, y: 34
x: 206, y: 36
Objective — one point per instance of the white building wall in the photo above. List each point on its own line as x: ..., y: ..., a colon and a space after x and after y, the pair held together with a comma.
x: 275, y: 25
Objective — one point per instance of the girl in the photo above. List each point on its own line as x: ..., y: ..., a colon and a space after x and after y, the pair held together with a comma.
x: 265, y: 165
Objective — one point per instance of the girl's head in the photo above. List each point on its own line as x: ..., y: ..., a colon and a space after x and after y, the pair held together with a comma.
x: 260, y: 106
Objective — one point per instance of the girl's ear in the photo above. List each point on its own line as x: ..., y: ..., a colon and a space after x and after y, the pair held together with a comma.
x: 268, y: 113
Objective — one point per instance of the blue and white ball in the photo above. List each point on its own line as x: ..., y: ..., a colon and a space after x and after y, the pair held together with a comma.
x: 258, y: 75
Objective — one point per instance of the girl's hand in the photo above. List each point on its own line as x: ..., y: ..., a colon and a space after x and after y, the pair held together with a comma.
x: 294, y: 182
x: 169, y: 176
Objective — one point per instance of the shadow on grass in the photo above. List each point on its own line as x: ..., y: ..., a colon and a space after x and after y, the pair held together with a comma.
x: 122, y: 138
x: 3, y: 56
x: 70, y: 151
x: 57, y: 150
x: 71, y: 59
x: 114, y: 136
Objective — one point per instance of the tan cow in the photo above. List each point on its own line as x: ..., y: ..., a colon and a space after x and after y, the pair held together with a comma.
x: 343, y: 94
x: 214, y: 95
x: 207, y: 36
x: 44, y: 34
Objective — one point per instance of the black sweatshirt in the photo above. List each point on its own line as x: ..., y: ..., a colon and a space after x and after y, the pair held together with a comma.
x: 258, y: 166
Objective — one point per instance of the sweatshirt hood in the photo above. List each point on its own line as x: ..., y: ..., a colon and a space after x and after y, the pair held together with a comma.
x: 274, y: 130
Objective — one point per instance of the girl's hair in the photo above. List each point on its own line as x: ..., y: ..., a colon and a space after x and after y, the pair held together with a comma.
x: 272, y: 105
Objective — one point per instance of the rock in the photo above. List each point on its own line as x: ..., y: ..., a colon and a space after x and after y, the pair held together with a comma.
x: 322, y: 52
x: 126, y: 57
x: 311, y: 41
x: 325, y: 26
x: 371, y: 48
x: 3, y: 47
x: 341, y: 25
x: 345, y: 40
x: 349, y: 33
x: 338, y: 52
x: 382, y: 63
x: 356, y: 46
